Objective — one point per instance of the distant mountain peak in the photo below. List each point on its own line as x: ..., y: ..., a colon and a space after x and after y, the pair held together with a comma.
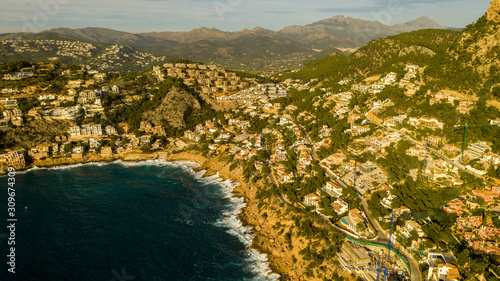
x: 424, y: 22
x: 338, y: 17
x: 423, y: 18
x: 204, y: 29
x: 258, y: 28
x: 494, y: 11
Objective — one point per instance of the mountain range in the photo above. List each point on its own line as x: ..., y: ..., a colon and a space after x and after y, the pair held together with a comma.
x: 335, y: 32
x: 465, y: 61
x: 256, y: 49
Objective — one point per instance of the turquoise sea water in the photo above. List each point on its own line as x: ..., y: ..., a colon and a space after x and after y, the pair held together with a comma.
x: 144, y: 221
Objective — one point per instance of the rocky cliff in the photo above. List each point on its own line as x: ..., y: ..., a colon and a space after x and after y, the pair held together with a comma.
x: 175, y: 106
x: 493, y: 13
x: 479, y: 44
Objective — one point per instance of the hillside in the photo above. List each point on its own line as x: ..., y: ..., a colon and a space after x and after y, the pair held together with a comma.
x: 288, y: 48
x: 380, y: 56
x: 479, y: 47
x: 175, y: 106
x: 465, y: 61
x: 356, y: 32
x: 46, y: 46
x: 493, y: 13
x: 110, y: 36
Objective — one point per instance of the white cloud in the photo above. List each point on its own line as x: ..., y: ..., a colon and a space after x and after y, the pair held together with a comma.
x: 162, y: 15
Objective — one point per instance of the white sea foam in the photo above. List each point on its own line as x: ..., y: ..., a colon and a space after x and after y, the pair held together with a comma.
x: 260, y: 265
x: 27, y: 171
x: 65, y: 167
x: 157, y: 162
x: 258, y: 262
x: 188, y: 166
x: 99, y: 164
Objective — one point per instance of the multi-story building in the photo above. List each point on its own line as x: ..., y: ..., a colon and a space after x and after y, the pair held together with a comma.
x: 86, y: 130
x: 312, y: 200
x: 477, y: 150
x: 106, y: 151
x: 110, y: 130
x: 340, y: 206
x: 447, y: 272
x: 15, y: 158
x: 333, y: 188
x: 491, y: 158
x: 9, y: 102
x: 356, y: 255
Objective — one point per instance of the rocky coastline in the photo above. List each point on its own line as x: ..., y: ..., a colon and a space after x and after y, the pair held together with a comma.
x: 270, y: 219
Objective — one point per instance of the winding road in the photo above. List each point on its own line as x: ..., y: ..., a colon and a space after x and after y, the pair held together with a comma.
x: 381, y: 238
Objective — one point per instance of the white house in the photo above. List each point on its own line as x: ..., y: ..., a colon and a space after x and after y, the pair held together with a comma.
x: 334, y: 188
x: 491, y: 158
x: 412, y: 226
x: 340, y: 206
x: 312, y: 200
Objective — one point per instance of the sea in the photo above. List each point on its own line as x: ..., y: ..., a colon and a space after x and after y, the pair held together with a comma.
x: 152, y: 220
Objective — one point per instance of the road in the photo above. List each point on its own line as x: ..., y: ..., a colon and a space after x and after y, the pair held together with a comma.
x: 271, y: 176
x: 381, y: 237
x: 444, y: 158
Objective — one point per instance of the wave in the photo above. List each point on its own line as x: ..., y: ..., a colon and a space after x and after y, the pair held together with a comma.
x: 156, y: 162
x: 260, y: 265
x: 99, y: 164
x: 61, y: 167
x: 188, y: 166
x: 214, y: 179
x: 257, y: 262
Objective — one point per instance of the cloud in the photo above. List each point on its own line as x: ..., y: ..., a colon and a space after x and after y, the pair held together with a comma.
x: 280, y: 12
x: 347, y: 9
x: 175, y: 15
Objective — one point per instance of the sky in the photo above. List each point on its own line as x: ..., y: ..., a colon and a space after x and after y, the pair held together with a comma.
x: 228, y: 15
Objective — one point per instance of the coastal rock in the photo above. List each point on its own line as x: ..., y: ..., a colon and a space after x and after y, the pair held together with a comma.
x: 37, y: 131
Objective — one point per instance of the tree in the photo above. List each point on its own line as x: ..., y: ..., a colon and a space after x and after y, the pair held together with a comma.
x: 496, y: 92
x: 146, y: 148
x: 413, y: 235
x: 360, y: 228
x: 68, y: 147
x: 265, y: 169
x: 250, y: 168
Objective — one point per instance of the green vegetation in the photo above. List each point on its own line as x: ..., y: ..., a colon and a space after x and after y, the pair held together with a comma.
x: 421, y: 199
x: 397, y: 163
x: 297, y: 190
x: 151, y: 99
x: 449, y: 64
x: 381, y: 56
x: 13, y: 66
x: 374, y: 205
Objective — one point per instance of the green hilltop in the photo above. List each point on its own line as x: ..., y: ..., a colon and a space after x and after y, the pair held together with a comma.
x: 465, y: 61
